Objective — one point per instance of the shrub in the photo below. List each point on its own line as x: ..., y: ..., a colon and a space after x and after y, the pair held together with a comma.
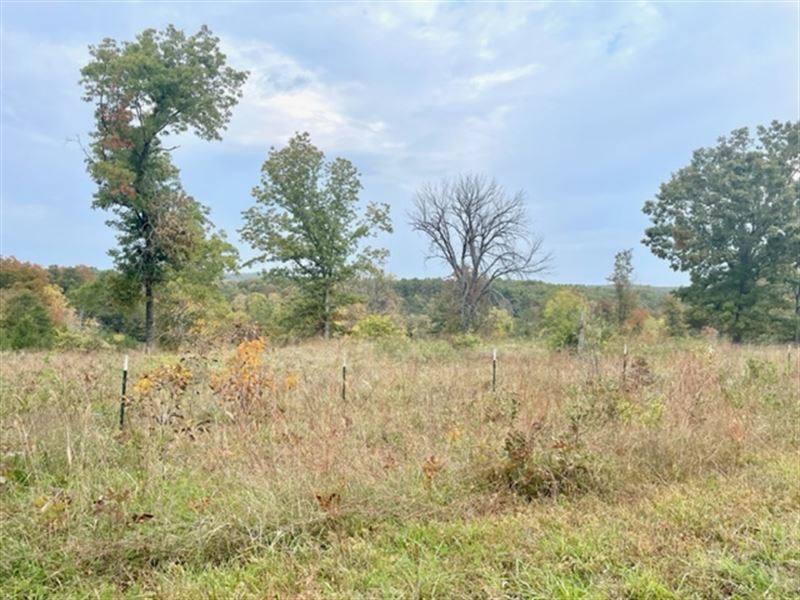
x: 246, y: 379
x: 562, y: 319
x: 80, y: 340
x: 760, y: 370
x: 160, y: 392
x: 498, y: 324
x: 377, y: 326
x: 534, y: 468
x: 466, y: 341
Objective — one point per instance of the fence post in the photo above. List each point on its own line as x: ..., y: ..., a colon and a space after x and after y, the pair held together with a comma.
x: 124, y: 390
x: 494, y: 369
x: 624, y: 362
x: 344, y: 379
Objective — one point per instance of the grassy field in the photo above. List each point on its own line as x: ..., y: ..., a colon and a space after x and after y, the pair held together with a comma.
x: 243, y: 474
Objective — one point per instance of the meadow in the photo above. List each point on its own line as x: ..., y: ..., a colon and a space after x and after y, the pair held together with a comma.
x: 242, y: 473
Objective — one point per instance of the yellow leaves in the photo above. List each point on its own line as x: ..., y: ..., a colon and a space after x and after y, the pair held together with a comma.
x: 144, y: 387
x: 290, y: 382
x: 160, y: 392
x: 58, y: 308
x: 170, y: 378
x: 247, y: 378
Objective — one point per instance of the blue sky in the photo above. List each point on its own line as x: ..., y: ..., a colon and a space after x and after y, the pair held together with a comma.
x: 586, y: 107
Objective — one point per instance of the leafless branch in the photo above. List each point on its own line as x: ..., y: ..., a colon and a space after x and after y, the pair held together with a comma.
x: 480, y: 232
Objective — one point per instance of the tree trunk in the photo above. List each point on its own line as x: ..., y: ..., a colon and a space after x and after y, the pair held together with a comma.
x: 149, y: 318
x: 327, y: 313
x: 466, y: 307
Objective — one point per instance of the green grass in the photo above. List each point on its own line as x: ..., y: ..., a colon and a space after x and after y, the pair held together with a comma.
x: 702, y: 539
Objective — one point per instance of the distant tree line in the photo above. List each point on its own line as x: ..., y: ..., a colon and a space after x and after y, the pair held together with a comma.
x: 730, y: 219
x: 80, y: 307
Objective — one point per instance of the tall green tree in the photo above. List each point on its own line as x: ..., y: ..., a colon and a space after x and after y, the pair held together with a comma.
x: 731, y: 219
x: 308, y: 223
x: 623, y: 291
x: 162, y: 83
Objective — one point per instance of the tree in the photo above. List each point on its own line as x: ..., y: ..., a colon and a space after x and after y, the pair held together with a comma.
x: 378, y: 293
x: 307, y: 220
x: 24, y: 322
x: 375, y: 326
x: 563, y: 318
x: 731, y: 219
x: 17, y: 276
x: 112, y: 300
x: 71, y: 278
x: 621, y: 278
x: 163, y: 83
x: 481, y: 233
x: 674, y: 320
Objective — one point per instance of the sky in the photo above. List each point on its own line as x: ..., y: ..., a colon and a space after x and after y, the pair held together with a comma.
x: 586, y: 107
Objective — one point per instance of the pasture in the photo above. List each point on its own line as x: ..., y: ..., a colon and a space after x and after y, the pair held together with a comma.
x: 243, y: 474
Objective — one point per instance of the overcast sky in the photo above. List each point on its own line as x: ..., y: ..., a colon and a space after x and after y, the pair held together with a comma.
x: 586, y: 107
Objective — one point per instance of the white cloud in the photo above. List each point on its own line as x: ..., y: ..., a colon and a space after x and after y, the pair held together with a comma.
x: 472, y: 144
x: 400, y: 14
x: 282, y: 96
x: 484, y: 81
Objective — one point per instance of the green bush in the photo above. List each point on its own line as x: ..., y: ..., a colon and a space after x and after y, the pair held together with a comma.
x: 377, y: 326
x: 498, y: 324
x: 466, y: 341
x: 25, y: 322
x: 80, y: 340
x: 563, y: 317
x: 760, y: 370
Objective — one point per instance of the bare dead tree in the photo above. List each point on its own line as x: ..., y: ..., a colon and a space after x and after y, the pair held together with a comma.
x: 480, y: 232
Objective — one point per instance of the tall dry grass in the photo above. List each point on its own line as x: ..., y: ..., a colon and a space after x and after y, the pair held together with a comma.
x: 229, y: 455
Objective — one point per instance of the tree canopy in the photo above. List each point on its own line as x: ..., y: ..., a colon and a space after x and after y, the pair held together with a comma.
x: 308, y: 223
x: 731, y: 219
x: 162, y: 83
x: 621, y: 279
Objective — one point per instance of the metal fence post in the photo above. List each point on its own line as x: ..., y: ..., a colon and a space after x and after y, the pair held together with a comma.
x: 124, y: 390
